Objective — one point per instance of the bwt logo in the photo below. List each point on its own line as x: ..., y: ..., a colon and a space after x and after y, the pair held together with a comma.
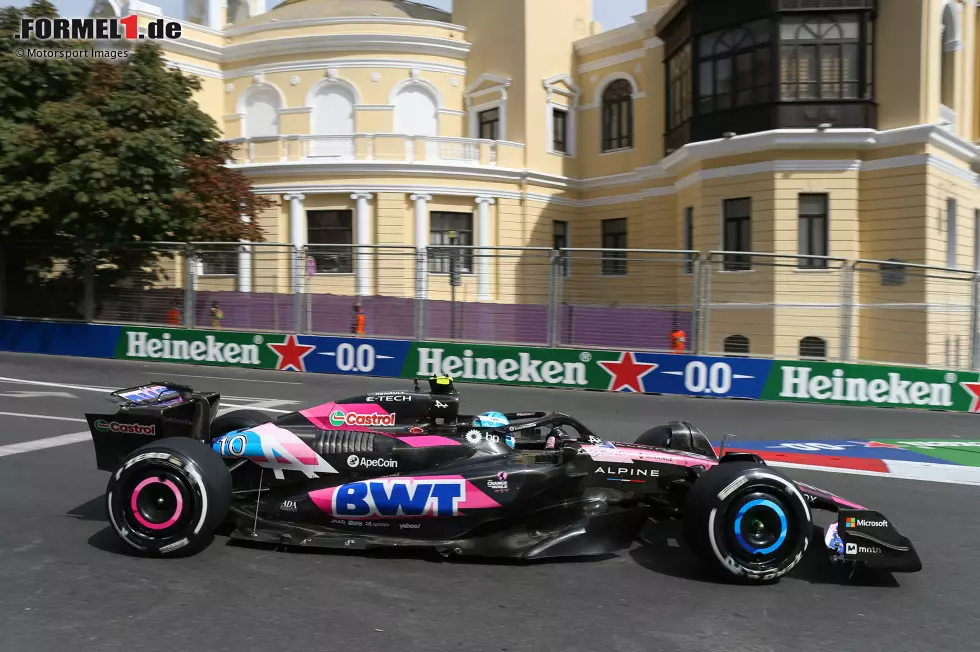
x: 96, y: 29
x: 397, y: 497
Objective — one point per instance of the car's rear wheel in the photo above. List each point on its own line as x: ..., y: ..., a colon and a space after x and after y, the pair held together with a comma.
x: 169, y: 497
x: 237, y: 420
x: 748, y: 521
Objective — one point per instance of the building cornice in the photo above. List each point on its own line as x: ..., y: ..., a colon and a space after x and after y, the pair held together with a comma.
x: 366, y: 62
x: 293, y: 168
x: 857, y: 140
x: 611, y: 39
x: 401, y: 43
x: 275, y: 24
x: 406, y: 43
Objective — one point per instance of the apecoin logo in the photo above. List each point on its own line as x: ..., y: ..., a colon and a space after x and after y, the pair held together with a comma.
x: 355, y: 461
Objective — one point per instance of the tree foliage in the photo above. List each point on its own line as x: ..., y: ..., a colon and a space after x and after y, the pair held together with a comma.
x: 96, y: 155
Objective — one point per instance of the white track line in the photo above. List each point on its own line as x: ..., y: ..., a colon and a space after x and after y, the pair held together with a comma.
x: 108, y: 390
x: 899, y: 470
x: 237, y: 380
x: 21, y: 381
x: 40, y: 416
x: 39, y: 444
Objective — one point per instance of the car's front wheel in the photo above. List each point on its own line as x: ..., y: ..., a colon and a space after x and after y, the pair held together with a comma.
x: 169, y: 497
x: 747, y: 521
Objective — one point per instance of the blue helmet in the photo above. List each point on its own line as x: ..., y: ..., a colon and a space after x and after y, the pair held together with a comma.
x: 490, y: 420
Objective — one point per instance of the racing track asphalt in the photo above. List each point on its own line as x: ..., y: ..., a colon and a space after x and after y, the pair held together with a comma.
x: 65, y: 583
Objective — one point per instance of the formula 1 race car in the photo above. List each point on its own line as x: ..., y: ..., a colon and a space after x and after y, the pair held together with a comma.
x: 405, y: 469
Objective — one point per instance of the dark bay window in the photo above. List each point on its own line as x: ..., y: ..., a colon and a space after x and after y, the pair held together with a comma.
x: 679, y: 87
x: 442, y: 226
x: 813, y: 215
x: 560, y: 241
x: 219, y: 260
x: 614, y: 237
x: 756, y: 65
x: 737, y: 217
x: 820, y: 58
x: 330, y: 228
x: 559, y: 130
x: 734, y: 67
x: 489, y: 123
x: 617, y: 116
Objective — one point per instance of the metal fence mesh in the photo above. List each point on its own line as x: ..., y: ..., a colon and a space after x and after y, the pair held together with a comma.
x: 774, y: 305
x: 727, y: 303
x: 912, y: 314
x: 624, y: 299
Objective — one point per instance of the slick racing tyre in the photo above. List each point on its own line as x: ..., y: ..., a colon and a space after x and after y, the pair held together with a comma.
x: 748, y: 521
x: 237, y: 420
x: 169, y: 497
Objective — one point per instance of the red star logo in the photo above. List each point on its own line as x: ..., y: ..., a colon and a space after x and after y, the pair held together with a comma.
x: 974, y: 390
x: 291, y: 354
x: 627, y: 372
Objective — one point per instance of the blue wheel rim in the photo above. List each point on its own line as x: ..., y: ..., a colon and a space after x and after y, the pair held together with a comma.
x: 760, y: 502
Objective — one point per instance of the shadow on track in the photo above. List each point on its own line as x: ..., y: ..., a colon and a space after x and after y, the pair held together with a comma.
x: 661, y: 550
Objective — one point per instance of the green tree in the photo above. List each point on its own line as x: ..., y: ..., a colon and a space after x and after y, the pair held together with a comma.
x: 98, y: 158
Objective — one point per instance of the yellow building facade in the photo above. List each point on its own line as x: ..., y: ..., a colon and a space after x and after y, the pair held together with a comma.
x: 828, y: 128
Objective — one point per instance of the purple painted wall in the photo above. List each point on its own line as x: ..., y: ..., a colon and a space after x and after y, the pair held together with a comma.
x: 392, y: 317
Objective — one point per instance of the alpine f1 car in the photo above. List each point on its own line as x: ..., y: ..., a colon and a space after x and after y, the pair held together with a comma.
x: 405, y: 469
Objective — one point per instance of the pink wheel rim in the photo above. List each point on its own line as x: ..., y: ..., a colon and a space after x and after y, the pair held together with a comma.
x: 139, y: 517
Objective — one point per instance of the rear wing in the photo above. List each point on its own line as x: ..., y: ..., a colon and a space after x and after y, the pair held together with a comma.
x: 146, y: 413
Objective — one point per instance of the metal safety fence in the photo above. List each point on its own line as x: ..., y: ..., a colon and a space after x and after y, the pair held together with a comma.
x: 723, y: 302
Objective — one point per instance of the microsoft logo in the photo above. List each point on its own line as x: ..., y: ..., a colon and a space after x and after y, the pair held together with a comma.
x: 850, y: 522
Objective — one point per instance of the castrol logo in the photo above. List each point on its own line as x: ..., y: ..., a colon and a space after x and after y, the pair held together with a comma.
x: 340, y: 418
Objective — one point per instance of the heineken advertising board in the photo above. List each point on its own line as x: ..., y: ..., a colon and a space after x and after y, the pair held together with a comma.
x: 601, y: 370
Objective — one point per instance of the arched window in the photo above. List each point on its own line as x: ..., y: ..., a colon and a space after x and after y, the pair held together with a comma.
x: 813, y: 348
x: 733, y: 67
x: 736, y: 345
x: 821, y: 59
x: 415, y: 111
x: 950, y: 41
x: 333, y: 117
x: 617, y: 116
x: 262, y: 112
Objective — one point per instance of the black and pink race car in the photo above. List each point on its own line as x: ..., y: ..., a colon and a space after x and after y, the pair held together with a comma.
x: 405, y: 469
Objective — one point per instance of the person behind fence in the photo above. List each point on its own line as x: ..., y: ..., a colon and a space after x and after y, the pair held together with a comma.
x: 677, y: 339
x: 216, y: 316
x: 357, y: 324
x: 174, y: 316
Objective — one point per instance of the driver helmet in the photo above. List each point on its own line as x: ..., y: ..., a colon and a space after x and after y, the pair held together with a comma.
x: 490, y: 420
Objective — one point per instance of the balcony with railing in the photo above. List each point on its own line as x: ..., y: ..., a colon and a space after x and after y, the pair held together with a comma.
x: 392, y: 148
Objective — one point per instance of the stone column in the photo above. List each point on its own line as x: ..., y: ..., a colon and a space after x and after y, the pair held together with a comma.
x: 297, y: 238
x: 484, y: 262
x: 364, y: 257
x: 214, y: 14
x: 422, y: 244
x: 245, y: 263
